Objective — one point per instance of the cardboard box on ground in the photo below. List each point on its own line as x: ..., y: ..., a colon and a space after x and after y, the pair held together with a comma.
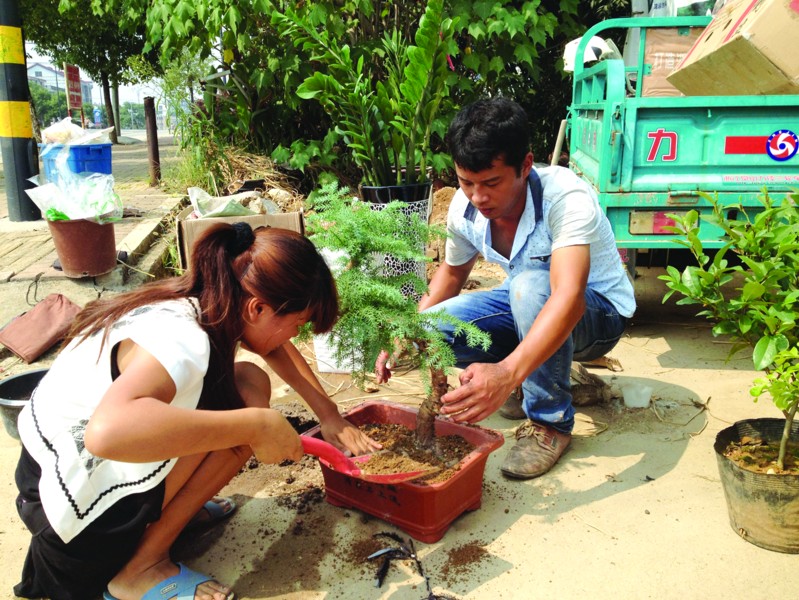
x: 188, y: 230
x: 749, y: 48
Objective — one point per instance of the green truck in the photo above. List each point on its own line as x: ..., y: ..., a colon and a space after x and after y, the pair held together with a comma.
x: 648, y: 157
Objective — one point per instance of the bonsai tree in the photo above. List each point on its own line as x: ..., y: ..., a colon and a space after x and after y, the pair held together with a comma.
x: 375, y: 313
x: 753, y: 295
x: 383, y: 105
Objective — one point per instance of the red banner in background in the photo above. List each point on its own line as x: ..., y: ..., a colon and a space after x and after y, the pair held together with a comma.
x: 74, y: 94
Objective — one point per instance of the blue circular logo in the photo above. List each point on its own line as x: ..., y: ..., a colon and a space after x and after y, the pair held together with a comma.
x: 782, y: 145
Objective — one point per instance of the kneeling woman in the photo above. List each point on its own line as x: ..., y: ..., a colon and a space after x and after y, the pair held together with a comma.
x: 144, y: 415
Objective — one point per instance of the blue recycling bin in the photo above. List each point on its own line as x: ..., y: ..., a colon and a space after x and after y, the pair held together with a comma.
x: 91, y: 158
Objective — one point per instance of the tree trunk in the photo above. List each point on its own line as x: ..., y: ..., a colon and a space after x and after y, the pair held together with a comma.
x: 426, y: 419
x: 109, y: 109
x: 115, y: 100
x: 37, y: 130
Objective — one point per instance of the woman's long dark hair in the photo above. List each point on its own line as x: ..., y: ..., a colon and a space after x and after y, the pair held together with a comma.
x: 281, y: 268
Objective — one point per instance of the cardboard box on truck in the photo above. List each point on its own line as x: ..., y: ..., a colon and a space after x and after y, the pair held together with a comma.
x: 665, y: 48
x: 188, y: 230
x: 749, y: 48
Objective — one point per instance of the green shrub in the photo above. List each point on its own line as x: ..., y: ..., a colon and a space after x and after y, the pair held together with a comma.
x: 753, y: 299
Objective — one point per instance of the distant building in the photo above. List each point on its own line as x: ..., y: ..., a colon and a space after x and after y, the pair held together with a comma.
x: 45, y: 74
x: 53, y: 79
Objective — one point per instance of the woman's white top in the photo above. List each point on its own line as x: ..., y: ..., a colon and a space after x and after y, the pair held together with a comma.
x: 76, y: 487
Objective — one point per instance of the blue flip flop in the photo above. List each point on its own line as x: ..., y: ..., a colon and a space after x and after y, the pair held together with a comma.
x: 181, y: 586
x: 216, y: 513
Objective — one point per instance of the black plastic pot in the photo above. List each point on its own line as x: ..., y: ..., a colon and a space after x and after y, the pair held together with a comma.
x: 383, y: 194
x: 15, y: 393
x: 252, y: 185
x: 763, y: 509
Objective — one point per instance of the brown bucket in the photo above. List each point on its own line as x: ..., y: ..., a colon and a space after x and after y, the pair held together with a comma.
x: 85, y: 248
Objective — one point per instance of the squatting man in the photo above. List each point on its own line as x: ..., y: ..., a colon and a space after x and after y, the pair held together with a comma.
x: 566, y: 297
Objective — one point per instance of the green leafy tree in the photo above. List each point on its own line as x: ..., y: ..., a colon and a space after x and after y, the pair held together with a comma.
x: 515, y: 49
x: 248, y: 98
x: 383, y: 108
x: 49, y: 106
x: 67, y: 31
x: 509, y: 47
x: 131, y: 115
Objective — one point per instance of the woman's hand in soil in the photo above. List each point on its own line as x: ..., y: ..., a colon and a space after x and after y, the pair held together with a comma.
x: 484, y: 388
x: 348, y: 438
x: 277, y: 440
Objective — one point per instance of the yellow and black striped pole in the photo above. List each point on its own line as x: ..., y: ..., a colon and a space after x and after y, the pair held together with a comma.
x: 20, y: 153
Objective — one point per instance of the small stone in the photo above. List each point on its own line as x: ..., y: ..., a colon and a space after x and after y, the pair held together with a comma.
x: 279, y: 195
x: 370, y: 388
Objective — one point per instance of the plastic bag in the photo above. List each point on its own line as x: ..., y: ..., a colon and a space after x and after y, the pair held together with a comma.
x: 66, y: 132
x: 206, y: 205
x: 62, y: 132
x: 88, y: 196
x: 76, y: 195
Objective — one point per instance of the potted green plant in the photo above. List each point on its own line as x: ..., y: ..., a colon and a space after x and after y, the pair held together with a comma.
x: 376, y: 315
x: 384, y: 105
x: 750, y: 290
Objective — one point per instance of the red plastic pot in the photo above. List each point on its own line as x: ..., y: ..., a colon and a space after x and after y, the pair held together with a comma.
x: 424, y: 512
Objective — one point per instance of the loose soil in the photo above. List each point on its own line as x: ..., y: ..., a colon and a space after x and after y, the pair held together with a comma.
x: 401, y: 454
x: 462, y: 561
x: 296, y: 493
x: 759, y: 456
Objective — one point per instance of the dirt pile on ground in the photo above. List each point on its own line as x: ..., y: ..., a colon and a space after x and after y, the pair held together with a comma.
x: 484, y: 275
x: 440, y: 207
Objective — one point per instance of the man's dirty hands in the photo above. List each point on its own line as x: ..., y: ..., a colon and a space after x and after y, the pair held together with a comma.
x: 484, y: 388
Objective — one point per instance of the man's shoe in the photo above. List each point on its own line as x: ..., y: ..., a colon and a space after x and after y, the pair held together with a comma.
x: 512, y: 409
x: 536, y: 451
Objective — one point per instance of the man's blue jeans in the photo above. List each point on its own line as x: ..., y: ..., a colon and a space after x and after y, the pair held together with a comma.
x: 507, y: 313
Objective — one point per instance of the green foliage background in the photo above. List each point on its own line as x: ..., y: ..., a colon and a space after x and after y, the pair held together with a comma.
x: 50, y: 106
x: 509, y: 47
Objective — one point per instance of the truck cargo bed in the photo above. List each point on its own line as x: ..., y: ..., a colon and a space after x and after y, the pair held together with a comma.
x: 651, y: 156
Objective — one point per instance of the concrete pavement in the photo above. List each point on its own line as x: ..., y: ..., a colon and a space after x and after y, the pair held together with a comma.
x: 27, y: 252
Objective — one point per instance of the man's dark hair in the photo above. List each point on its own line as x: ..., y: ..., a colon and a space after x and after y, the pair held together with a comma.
x: 487, y: 130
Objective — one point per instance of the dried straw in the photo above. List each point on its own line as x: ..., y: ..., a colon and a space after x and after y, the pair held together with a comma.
x: 239, y: 166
